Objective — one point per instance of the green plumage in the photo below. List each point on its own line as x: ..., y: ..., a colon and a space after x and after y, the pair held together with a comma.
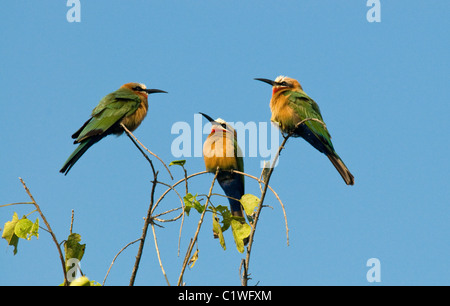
x: 290, y: 106
x: 305, y: 107
x: 105, y: 119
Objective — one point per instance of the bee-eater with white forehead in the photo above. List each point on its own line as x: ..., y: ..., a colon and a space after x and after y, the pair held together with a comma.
x: 127, y: 105
x: 290, y: 105
x: 222, y: 150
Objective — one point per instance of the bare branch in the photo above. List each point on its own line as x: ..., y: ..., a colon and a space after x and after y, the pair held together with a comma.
x: 115, y: 257
x: 49, y: 229
x: 159, y: 256
x: 148, y: 220
x: 191, y: 245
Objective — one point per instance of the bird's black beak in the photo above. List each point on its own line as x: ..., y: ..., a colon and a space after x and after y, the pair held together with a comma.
x: 208, y: 117
x: 150, y: 91
x: 270, y: 82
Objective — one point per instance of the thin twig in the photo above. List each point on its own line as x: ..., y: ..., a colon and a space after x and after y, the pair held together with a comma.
x: 181, y: 201
x: 61, y: 257
x: 159, y: 256
x: 115, y: 257
x: 148, y: 220
x: 71, y: 223
x: 127, y: 131
x: 191, y: 245
x: 18, y: 203
x: 174, y: 185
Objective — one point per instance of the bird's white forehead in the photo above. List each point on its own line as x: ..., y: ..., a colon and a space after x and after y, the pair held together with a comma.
x: 280, y: 78
x: 220, y: 120
x: 143, y: 86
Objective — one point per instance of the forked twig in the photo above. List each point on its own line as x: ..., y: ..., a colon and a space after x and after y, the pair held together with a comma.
x: 127, y: 131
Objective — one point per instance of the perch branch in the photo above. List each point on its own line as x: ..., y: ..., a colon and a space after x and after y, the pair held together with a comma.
x: 134, y: 139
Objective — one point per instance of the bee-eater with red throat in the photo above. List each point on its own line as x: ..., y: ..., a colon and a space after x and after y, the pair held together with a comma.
x: 222, y: 150
x: 127, y: 105
x: 290, y: 105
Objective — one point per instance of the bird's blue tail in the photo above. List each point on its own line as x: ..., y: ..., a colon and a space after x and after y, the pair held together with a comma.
x: 233, y: 186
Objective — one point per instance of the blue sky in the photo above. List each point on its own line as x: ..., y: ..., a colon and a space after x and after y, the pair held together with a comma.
x: 382, y: 89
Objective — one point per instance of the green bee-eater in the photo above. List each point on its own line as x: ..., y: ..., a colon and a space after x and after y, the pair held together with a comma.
x: 290, y: 105
x: 127, y: 105
x: 222, y: 150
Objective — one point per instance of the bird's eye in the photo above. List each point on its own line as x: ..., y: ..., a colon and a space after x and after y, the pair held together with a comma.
x: 137, y: 88
x: 284, y: 83
x: 223, y: 125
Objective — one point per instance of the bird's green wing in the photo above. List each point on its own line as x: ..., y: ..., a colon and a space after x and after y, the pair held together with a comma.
x: 305, y: 107
x: 111, y: 109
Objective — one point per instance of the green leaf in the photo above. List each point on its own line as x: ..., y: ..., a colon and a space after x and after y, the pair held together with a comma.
x: 226, y: 216
x: 241, y: 231
x: 249, y: 203
x: 23, y: 227
x: 81, y: 281
x: 26, y: 229
x: 191, y: 201
x: 217, y: 231
x: 8, y: 232
x: 73, y: 250
x: 180, y: 162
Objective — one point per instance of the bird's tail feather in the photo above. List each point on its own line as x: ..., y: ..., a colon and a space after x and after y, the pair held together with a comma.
x: 75, y: 156
x: 342, y: 169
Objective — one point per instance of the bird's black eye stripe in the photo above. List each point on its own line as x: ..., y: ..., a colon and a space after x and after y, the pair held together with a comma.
x: 284, y: 83
x: 138, y: 88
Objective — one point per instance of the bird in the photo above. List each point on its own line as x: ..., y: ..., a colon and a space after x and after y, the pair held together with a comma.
x: 290, y: 105
x: 127, y: 105
x: 222, y: 150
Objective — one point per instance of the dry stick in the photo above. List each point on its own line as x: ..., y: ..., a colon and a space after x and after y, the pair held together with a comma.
x: 177, y: 217
x: 61, y: 257
x: 115, y: 257
x: 245, y: 263
x: 186, y: 177
x: 71, y: 223
x: 191, y: 245
x: 148, y: 219
x: 159, y: 256
x: 18, y: 203
x: 170, y: 210
x: 137, y: 140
